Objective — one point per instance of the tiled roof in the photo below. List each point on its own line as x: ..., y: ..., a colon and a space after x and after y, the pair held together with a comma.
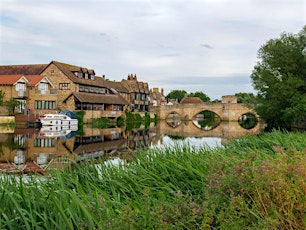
x: 34, y: 79
x: 9, y: 79
x: 99, y: 98
x: 69, y: 70
x: 22, y: 69
x: 191, y: 100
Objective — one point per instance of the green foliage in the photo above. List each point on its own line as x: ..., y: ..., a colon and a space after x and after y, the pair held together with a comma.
x: 101, y: 123
x: 80, y: 116
x: 280, y: 80
x: 180, y: 94
x: 1, y: 97
x: 246, y: 98
x: 120, y: 121
x: 11, y: 105
x: 200, y: 95
x: 252, y: 183
x: 177, y: 94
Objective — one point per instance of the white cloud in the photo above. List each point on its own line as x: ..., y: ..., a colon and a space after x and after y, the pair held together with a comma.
x: 155, y: 39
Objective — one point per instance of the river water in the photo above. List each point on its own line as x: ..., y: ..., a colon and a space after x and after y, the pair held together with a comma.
x: 23, y: 150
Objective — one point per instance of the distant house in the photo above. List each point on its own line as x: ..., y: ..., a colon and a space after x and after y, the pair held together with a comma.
x: 157, y: 98
x: 138, y: 93
x: 191, y: 100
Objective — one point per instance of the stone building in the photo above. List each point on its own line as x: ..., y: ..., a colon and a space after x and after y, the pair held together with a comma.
x: 48, y: 88
x: 157, y: 98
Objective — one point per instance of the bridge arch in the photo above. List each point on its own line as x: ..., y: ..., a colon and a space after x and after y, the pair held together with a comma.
x: 226, y: 111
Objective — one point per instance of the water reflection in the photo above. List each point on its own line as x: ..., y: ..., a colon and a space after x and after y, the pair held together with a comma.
x: 39, y: 150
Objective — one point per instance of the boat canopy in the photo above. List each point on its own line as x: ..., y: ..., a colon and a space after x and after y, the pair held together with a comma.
x: 69, y: 113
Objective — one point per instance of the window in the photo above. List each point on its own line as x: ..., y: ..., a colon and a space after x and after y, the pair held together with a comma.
x: 20, y: 87
x: 40, y: 142
x: 64, y: 85
x: 86, y: 75
x: 52, y: 72
x: 45, y: 105
x: 92, y: 76
x: 43, y: 87
x: 80, y: 74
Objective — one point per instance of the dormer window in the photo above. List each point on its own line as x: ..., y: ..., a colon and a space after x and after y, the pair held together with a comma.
x: 92, y: 76
x: 86, y: 75
x: 80, y: 74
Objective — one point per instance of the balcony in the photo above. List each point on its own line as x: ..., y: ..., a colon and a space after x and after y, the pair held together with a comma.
x: 22, y: 93
x: 46, y: 92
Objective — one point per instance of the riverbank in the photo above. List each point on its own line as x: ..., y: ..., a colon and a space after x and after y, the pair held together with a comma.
x: 253, y: 182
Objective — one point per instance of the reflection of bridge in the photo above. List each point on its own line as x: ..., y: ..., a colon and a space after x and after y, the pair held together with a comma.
x: 225, y: 130
x: 226, y: 111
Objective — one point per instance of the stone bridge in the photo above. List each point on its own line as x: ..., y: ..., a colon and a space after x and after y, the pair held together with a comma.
x: 188, y: 111
x: 225, y: 130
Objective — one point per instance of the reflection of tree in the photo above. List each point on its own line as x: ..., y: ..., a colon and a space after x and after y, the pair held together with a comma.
x: 209, y: 121
x: 248, y: 121
x: 12, y: 144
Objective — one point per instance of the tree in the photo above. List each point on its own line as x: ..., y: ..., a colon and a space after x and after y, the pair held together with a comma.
x: 246, y: 98
x: 177, y: 94
x: 11, y: 105
x: 280, y: 79
x: 201, y: 95
x: 1, y: 97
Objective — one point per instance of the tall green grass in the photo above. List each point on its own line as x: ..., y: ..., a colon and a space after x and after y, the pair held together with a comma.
x: 252, y: 183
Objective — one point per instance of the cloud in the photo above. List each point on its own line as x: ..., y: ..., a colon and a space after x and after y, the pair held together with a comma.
x: 206, y: 46
x: 170, y: 44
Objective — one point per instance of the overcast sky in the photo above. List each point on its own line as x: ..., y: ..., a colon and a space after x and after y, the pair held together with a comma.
x: 192, y: 45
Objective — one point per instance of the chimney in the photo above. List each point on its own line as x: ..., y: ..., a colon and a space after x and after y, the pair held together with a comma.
x: 103, y: 76
x: 162, y: 91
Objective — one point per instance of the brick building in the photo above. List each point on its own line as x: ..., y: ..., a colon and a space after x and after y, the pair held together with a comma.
x: 56, y: 86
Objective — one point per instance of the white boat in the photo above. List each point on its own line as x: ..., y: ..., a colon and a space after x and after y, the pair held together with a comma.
x: 63, y: 118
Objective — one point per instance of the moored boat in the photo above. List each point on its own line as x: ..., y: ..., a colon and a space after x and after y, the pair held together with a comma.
x: 63, y: 118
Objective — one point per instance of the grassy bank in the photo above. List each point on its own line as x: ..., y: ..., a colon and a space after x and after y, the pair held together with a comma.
x: 252, y: 183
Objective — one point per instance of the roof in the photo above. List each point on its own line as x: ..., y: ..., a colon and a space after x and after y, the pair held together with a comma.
x: 69, y: 71
x: 9, y: 79
x: 99, y: 98
x: 22, y: 69
x: 31, y: 80
x: 191, y: 100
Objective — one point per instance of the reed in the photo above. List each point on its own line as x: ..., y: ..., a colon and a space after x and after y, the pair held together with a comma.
x: 253, y: 182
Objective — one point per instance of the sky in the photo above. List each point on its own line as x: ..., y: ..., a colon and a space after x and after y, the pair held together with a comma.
x: 192, y: 45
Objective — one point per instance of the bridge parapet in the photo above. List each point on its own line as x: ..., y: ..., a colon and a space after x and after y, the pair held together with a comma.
x: 226, y: 111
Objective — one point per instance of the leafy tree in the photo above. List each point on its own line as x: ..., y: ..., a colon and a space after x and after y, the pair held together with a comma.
x: 177, y: 94
x: 11, y: 105
x: 280, y: 79
x: 246, y: 98
x: 201, y: 95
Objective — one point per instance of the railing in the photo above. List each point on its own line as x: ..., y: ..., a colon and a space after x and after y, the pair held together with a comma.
x: 47, y: 92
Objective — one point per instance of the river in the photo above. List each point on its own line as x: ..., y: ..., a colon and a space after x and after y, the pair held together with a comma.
x: 23, y: 150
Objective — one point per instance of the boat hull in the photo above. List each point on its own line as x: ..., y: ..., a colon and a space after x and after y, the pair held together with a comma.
x: 55, y: 122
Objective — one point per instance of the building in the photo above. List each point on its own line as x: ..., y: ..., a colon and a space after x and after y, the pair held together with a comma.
x: 48, y: 88
x: 157, y: 98
x: 138, y: 93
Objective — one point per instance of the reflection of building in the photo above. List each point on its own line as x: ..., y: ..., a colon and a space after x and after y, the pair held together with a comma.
x: 36, y: 150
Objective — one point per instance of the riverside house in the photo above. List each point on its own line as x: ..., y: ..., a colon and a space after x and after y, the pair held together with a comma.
x: 56, y: 86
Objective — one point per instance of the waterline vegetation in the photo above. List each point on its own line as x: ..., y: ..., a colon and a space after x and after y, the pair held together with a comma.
x: 253, y: 182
